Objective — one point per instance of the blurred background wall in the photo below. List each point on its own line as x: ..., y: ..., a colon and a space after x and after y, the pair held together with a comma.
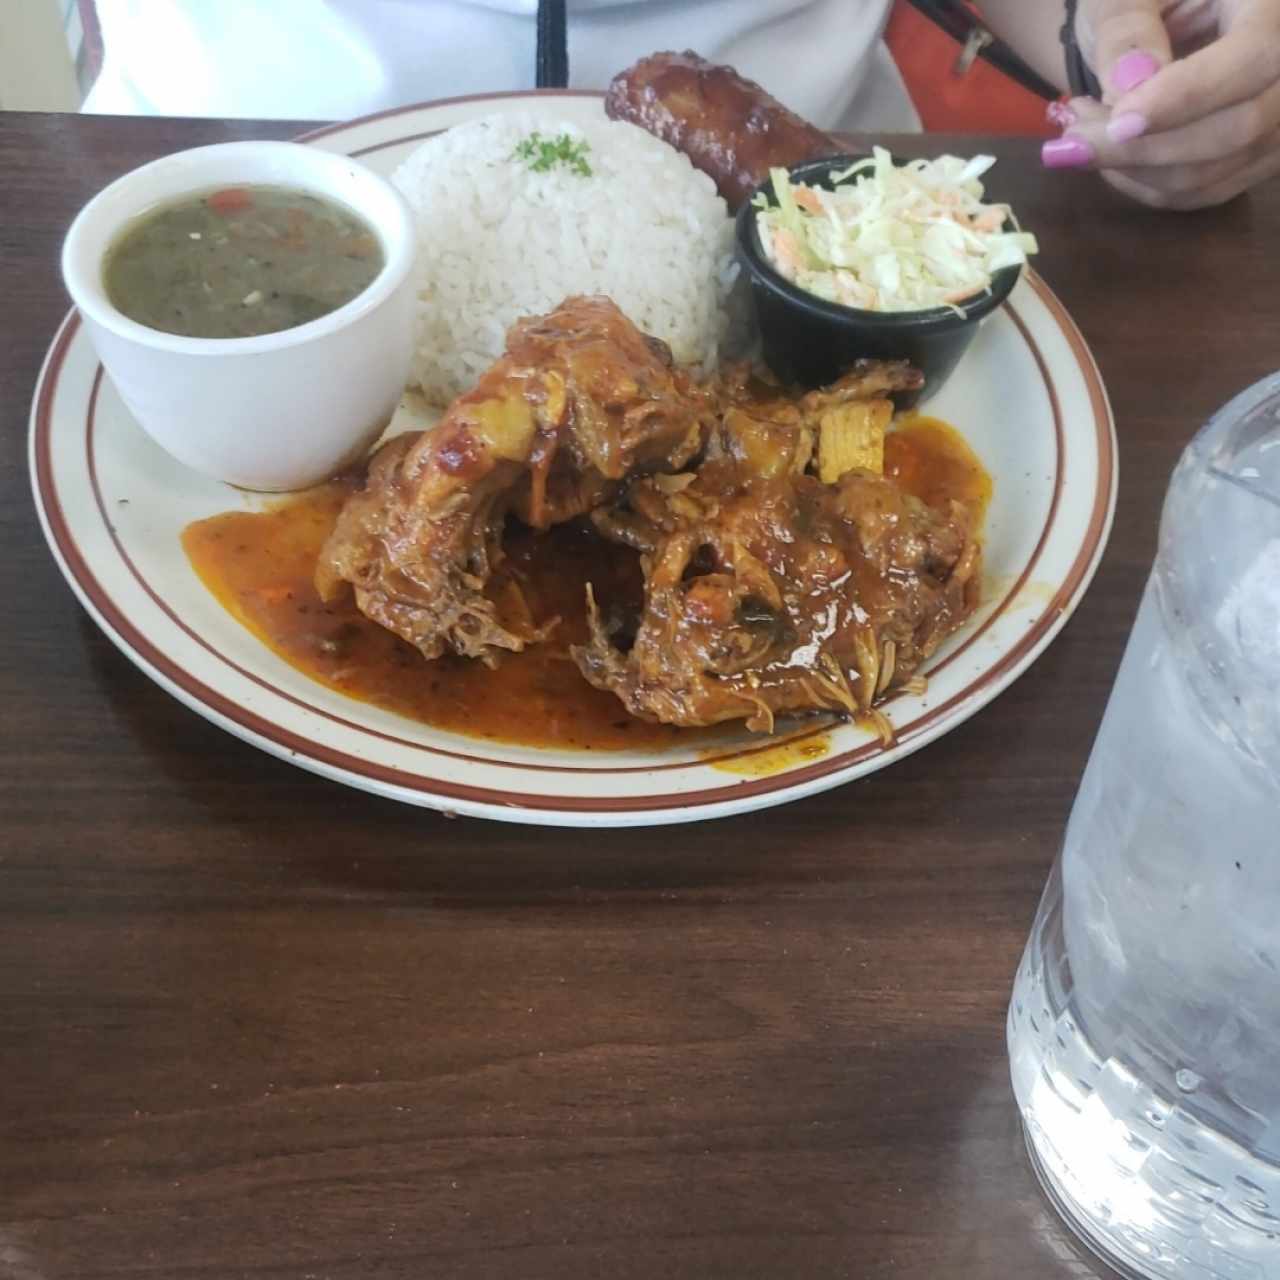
x: 50, y: 52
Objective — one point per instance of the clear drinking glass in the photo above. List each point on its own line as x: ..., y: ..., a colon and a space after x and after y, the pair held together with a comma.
x: 1144, y: 1030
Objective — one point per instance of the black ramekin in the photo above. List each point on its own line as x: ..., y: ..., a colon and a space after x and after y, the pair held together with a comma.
x: 810, y: 342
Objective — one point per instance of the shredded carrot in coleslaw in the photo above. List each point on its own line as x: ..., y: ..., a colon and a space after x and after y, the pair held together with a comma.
x: 892, y: 237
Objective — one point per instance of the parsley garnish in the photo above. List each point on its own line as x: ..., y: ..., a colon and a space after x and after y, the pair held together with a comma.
x: 543, y: 154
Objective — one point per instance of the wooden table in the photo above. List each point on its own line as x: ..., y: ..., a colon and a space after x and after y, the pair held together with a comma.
x: 255, y: 1024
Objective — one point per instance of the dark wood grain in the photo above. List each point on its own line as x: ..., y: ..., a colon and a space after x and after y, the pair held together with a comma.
x: 255, y: 1024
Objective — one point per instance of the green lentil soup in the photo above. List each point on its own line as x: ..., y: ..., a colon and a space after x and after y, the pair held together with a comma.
x: 239, y: 262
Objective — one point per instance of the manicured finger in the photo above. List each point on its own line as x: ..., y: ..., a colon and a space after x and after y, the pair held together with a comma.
x: 1235, y: 69
x: 1088, y: 119
x: 1121, y: 142
x: 1136, y: 190
x: 1196, y: 186
x: 1125, y: 41
x: 1260, y: 171
x: 1156, y: 198
x: 1060, y: 115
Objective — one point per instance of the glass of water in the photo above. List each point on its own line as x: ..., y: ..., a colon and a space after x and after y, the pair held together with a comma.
x: 1144, y: 1029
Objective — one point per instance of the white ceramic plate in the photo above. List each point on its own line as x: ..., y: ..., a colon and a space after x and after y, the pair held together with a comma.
x: 1028, y: 398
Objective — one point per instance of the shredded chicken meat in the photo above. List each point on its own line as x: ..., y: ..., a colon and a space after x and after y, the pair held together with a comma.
x: 581, y: 401
x: 766, y: 590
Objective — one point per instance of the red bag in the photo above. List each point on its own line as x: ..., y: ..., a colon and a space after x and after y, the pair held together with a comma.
x: 954, y: 87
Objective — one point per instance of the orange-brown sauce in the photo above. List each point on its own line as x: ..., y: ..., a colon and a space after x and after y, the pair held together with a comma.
x: 930, y: 458
x: 259, y: 566
x: 789, y: 753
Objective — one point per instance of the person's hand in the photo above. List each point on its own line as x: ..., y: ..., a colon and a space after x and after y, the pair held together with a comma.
x: 1190, y: 114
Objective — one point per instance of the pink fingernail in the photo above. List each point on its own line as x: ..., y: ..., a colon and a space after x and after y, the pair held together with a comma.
x: 1132, y: 70
x: 1060, y: 115
x: 1127, y: 126
x: 1066, y: 153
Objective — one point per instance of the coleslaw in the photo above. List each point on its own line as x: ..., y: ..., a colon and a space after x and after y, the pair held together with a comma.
x: 892, y: 237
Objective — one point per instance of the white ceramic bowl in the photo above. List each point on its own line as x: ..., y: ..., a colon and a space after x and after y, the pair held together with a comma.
x: 283, y: 410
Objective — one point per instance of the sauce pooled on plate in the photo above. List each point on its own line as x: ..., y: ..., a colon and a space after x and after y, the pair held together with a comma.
x: 260, y: 566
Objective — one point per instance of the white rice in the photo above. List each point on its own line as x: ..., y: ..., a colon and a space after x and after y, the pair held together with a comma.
x: 498, y: 241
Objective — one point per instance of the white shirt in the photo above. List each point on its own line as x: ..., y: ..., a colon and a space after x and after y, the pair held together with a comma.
x: 335, y: 59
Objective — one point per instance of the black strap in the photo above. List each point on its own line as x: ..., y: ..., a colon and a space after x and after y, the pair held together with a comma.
x: 553, y: 46
x: 962, y: 25
x: 1080, y: 78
